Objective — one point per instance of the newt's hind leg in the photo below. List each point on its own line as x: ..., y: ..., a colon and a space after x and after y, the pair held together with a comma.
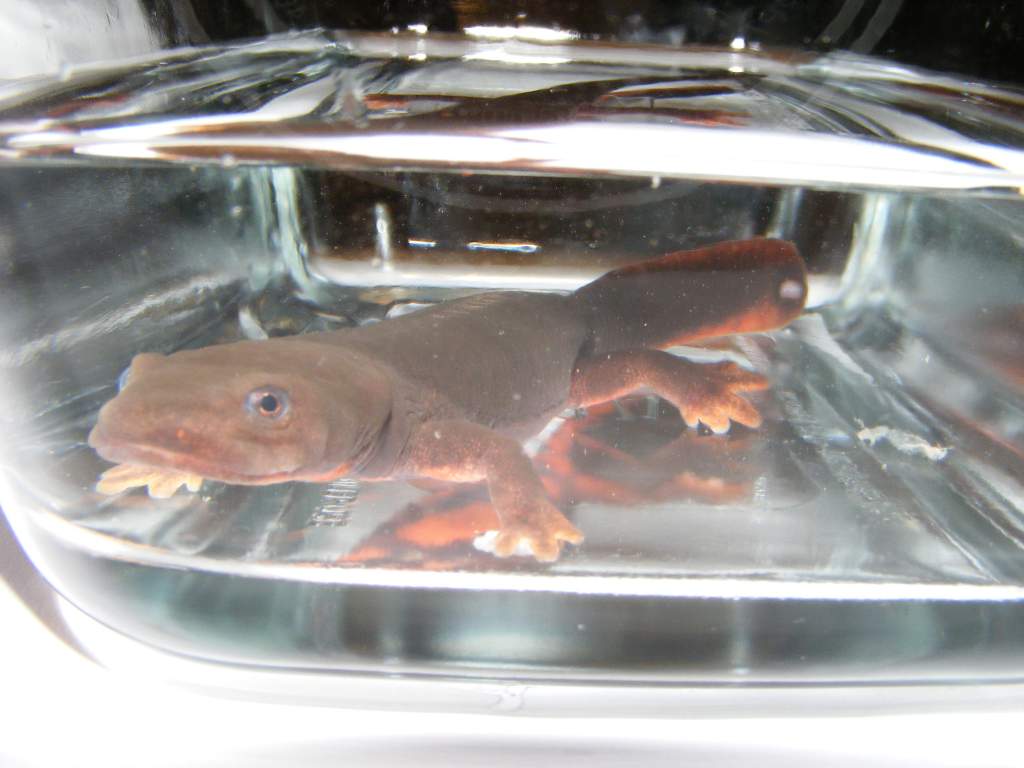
x: 708, y: 393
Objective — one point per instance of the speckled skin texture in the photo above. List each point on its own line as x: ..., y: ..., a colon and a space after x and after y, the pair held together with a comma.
x: 448, y: 392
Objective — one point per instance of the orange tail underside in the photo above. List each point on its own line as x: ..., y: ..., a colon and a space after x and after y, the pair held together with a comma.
x: 727, y: 288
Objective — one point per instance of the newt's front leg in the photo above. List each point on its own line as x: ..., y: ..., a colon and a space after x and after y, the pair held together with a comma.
x: 464, y: 452
x: 708, y: 393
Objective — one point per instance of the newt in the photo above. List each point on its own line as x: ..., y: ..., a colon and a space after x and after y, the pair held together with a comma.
x: 449, y: 392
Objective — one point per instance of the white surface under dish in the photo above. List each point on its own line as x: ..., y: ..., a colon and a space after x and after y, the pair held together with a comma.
x: 60, y: 708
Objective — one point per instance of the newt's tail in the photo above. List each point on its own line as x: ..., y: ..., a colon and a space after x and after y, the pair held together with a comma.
x: 734, y: 287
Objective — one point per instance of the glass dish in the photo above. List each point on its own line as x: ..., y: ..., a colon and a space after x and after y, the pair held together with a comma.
x: 869, y: 532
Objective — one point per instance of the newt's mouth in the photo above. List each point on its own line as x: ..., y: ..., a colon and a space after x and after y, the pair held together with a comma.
x: 141, y: 464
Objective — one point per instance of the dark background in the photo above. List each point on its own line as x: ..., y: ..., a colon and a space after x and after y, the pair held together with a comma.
x: 976, y: 38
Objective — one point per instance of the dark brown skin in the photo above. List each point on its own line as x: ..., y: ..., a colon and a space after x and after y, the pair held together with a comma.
x: 447, y: 393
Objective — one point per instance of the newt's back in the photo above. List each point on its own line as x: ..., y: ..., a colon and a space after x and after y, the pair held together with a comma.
x: 501, y: 359
x: 506, y: 359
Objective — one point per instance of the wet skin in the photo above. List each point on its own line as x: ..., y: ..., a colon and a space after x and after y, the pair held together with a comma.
x: 449, y: 392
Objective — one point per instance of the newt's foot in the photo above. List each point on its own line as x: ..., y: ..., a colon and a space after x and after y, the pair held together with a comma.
x: 713, y: 397
x: 160, y: 483
x: 543, y: 529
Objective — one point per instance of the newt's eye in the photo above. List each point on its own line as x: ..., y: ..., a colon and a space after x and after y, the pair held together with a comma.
x: 267, y: 402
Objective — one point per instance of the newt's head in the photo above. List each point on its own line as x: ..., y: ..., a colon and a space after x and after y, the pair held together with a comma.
x: 251, y: 413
